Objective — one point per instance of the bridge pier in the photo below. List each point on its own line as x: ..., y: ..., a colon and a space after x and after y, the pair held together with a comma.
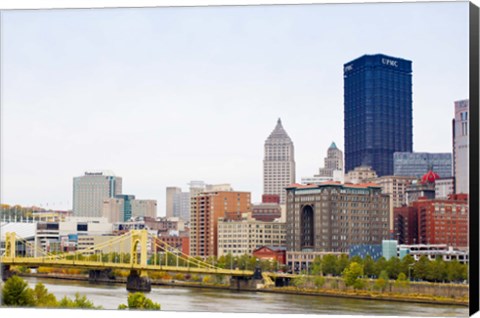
x: 138, y: 282
x: 247, y: 282
x: 5, y: 271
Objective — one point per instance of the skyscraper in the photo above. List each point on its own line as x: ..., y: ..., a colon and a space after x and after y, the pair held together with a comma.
x: 278, y: 163
x: 206, y: 208
x: 91, y: 189
x: 333, y: 161
x: 460, y: 146
x: 378, y: 111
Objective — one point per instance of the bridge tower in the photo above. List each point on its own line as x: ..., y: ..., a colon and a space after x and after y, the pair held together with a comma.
x: 138, y: 279
x: 10, y: 253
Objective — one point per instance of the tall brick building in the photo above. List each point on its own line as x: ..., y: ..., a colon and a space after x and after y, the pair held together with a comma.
x: 205, y: 210
x: 434, y: 221
x: 330, y: 217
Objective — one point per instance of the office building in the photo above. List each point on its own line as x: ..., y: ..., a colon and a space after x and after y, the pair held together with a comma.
x: 331, y: 217
x: 170, y: 199
x: 416, y: 164
x: 461, y: 146
x: 206, y: 209
x: 333, y: 161
x: 361, y: 174
x: 144, y: 208
x: 243, y: 236
x: 378, y: 111
x: 444, y: 187
x: 91, y: 189
x: 396, y: 188
x: 278, y: 162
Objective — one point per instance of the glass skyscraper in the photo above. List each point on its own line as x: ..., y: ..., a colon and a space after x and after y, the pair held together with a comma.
x: 416, y: 164
x: 378, y: 111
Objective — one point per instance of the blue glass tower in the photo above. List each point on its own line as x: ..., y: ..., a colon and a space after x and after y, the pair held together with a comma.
x: 378, y: 111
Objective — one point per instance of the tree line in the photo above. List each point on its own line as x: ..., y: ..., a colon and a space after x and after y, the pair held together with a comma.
x: 16, y: 293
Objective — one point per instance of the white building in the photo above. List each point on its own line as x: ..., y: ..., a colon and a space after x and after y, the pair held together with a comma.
x: 91, y: 189
x: 360, y: 174
x: 239, y: 237
x: 461, y: 146
x: 444, y: 187
x: 278, y: 163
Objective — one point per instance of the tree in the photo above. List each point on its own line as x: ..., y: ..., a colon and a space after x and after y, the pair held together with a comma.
x: 16, y: 293
x: 43, y: 298
x: 329, y: 264
x: 382, y: 281
x: 369, y: 266
x: 436, y: 271
x: 420, y: 269
x: 343, y: 263
x: 78, y: 302
x: 393, y: 267
x: 454, y: 271
x: 317, y: 266
x: 319, y: 281
x: 402, y: 281
x: 380, y: 265
x: 138, y: 301
x: 352, y: 275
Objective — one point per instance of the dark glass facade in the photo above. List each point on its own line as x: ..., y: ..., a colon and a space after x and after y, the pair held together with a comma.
x: 378, y: 111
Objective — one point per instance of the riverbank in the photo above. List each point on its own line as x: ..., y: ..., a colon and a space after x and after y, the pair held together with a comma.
x: 354, y: 294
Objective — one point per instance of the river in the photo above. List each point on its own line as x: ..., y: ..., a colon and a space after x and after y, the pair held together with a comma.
x: 185, y: 299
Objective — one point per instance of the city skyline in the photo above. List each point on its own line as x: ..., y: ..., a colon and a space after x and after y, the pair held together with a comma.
x: 159, y: 115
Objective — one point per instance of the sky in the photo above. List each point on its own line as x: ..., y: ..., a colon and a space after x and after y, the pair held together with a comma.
x: 163, y: 96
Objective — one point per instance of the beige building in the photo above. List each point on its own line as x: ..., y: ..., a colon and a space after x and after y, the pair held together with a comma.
x: 170, y: 200
x: 243, y: 236
x: 278, y: 163
x: 144, y: 208
x: 360, y: 174
x: 94, y: 244
x: 113, y: 209
x: 396, y: 188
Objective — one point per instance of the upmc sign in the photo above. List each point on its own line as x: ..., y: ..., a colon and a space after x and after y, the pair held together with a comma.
x: 389, y: 62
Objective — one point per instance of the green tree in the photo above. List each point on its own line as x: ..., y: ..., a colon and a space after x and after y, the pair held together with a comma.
x: 342, y: 263
x: 317, y: 266
x: 454, y: 271
x: 420, y: 269
x: 381, y: 282
x: 138, y: 301
x: 352, y: 275
x: 80, y: 301
x: 436, y: 270
x: 393, y: 267
x: 319, y: 281
x: 380, y: 265
x: 402, y: 281
x: 16, y: 293
x: 329, y: 264
x: 299, y: 281
x: 369, y: 266
x: 43, y: 298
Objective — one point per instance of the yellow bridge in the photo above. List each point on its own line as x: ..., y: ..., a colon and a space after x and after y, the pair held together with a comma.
x: 136, y: 251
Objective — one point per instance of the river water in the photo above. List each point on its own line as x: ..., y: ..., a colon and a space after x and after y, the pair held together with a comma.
x: 185, y: 299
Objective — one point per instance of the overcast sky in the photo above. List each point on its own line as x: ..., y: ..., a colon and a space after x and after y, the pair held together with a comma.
x: 163, y: 96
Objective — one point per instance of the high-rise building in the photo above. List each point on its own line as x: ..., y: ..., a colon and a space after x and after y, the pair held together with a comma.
x: 278, y: 163
x: 181, y: 206
x: 333, y: 161
x: 331, y: 217
x: 170, y: 199
x: 378, y: 111
x: 144, y: 208
x: 206, y: 208
x: 91, y: 189
x: 460, y: 146
x: 396, y: 188
x: 243, y: 236
x: 416, y: 164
